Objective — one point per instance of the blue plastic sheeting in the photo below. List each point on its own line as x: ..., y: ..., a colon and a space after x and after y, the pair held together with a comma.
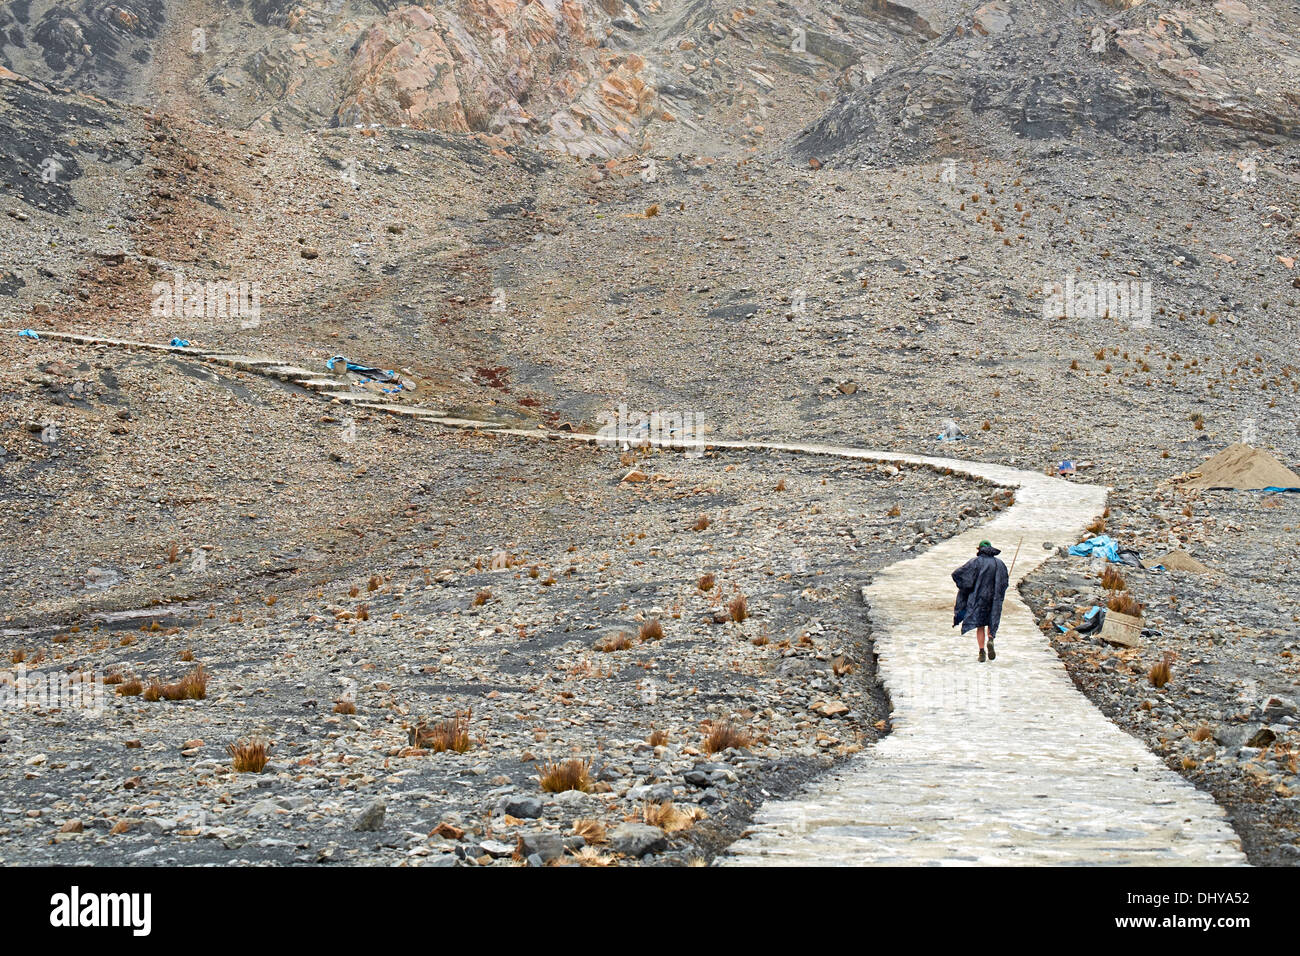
x: 28, y: 334
x: 179, y: 343
x: 1103, y: 544
x: 384, y: 376
x: 1087, y: 617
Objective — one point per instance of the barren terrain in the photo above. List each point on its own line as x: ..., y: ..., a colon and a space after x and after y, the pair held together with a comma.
x: 836, y: 223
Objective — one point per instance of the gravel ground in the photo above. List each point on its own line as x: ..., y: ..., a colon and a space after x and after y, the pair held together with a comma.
x: 484, y: 589
x: 1227, y: 719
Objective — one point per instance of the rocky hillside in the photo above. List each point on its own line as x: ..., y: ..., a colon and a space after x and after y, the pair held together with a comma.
x: 586, y: 77
x: 831, y: 222
x: 1115, y: 77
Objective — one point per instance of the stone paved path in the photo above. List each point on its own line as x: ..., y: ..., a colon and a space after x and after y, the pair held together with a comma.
x: 996, y: 763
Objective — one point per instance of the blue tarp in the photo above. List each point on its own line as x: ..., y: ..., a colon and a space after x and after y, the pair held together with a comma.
x: 179, y: 343
x: 28, y: 334
x: 385, y: 376
x: 1103, y: 544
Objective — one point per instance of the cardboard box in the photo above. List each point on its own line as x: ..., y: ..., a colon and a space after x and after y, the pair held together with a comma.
x: 1122, y: 629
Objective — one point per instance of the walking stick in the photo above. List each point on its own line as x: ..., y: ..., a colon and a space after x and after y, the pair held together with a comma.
x: 1014, y: 556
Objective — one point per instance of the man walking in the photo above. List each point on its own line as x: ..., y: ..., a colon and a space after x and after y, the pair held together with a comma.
x: 981, y: 585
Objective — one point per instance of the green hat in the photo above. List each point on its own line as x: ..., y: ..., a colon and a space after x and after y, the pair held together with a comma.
x: 986, y: 542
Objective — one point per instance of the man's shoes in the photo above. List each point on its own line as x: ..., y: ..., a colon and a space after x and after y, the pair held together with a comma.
x: 993, y: 655
x: 981, y: 655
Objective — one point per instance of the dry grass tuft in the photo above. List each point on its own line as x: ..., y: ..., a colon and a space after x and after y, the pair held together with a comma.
x: 193, y: 686
x: 248, y: 757
x: 574, y: 774
x: 1112, y: 580
x: 652, y: 630
x: 131, y: 688
x: 1160, y: 674
x: 780, y: 485
x: 590, y: 856
x: 614, y: 642
x: 706, y: 582
x: 375, y: 583
x: 345, y: 707
x: 1203, y: 732
x: 450, y: 734
x: 701, y: 523
x: 739, y: 608
x: 1125, y: 603
x: 724, y: 735
x: 593, y: 831
x: 669, y: 818
x: 1097, y: 527
x: 657, y: 738
x: 187, y: 655
x: 482, y: 597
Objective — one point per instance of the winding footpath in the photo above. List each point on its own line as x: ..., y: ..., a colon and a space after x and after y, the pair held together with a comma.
x: 996, y: 763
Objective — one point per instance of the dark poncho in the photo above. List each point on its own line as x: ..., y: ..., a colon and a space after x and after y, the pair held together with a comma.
x: 981, y: 585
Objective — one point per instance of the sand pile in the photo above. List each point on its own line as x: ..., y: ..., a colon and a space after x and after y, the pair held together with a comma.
x: 1180, y: 561
x: 1243, y: 468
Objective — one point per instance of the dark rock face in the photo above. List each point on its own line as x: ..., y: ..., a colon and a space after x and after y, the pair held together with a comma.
x: 92, y: 44
x: 36, y: 128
